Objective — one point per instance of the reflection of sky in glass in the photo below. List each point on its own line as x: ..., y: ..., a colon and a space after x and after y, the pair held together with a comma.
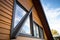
x: 52, y: 11
x: 19, y: 13
x: 41, y: 33
x: 26, y: 27
x: 36, y: 33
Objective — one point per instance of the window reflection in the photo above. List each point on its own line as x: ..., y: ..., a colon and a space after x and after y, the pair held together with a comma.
x: 36, y: 32
x: 19, y: 13
x: 25, y: 29
x: 41, y: 33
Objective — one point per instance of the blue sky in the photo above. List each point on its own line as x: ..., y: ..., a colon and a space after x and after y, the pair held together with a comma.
x: 52, y: 12
x: 51, y: 3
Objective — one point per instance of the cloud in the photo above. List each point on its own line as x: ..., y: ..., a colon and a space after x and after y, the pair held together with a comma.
x: 53, y: 17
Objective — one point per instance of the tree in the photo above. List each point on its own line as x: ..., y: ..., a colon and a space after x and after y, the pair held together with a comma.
x: 54, y: 32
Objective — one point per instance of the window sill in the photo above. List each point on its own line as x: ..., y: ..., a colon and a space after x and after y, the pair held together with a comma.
x: 26, y: 35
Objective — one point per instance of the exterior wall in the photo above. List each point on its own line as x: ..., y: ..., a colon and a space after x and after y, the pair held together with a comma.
x: 36, y: 18
x: 27, y: 38
x: 28, y: 4
x: 6, y: 7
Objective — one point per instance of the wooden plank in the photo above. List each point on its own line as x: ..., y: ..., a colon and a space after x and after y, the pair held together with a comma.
x: 5, y: 15
x: 4, y: 22
x: 4, y: 31
x: 5, y: 10
x: 5, y: 19
x: 11, y: 1
x: 26, y: 3
x: 3, y: 6
x: 27, y: 38
x: 36, y: 18
x: 4, y: 26
x: 42, y: 17
x: 7, y: 4
x: 4, y: 37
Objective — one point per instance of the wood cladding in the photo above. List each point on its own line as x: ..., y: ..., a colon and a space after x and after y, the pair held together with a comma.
x: 4, y: 26
x: 26, y: 3
x: 35, y: 17
x: 4, y: 37
x: 27, y: 38
x: 4, y: 31
x: 6, y: 9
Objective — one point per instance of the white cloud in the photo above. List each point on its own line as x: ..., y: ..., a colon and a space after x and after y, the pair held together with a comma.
x: 51, y: 15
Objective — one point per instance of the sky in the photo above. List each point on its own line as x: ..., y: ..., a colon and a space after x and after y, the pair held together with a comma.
x: 19, y: 13
x: 52, y: 12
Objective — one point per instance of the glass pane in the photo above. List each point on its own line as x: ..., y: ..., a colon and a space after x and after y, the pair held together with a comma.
x: 41, y: 33
x: 52, y: 12
x: 25, y: 29
x: 19, y: 13
x: 37, y: 31
x: 35, y: 28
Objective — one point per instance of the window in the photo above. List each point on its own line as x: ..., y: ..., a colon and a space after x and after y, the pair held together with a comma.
x: 19, y: 13
x: 41, y: 34
x: 38, y: 31
x: 23, y: 23
x: 25, y: 29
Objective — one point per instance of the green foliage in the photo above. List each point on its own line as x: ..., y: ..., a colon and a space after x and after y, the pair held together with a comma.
x: 54, y: 32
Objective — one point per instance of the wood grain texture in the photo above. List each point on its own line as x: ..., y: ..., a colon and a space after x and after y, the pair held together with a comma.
x: 6, y: 10
x: 36, y: 18
x: 5, y: 19
x: 26, y: 3
x: 4, y: 37
x: 5, y: 15
x: 4, y: 31
x: 27, y: 38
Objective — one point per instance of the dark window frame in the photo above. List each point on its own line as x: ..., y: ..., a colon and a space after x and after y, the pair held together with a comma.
x: 31, y: 20
x: 14, y: 7
x: 13, y: 16
x: 39, y: 27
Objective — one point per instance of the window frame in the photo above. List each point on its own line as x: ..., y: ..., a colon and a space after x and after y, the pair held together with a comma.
x: 13, y: 16
x: 31, y: 20
x: 39, y: 27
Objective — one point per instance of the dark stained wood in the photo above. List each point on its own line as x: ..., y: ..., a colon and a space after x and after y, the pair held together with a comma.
x: 35, y: 17
x: 42, y: 17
